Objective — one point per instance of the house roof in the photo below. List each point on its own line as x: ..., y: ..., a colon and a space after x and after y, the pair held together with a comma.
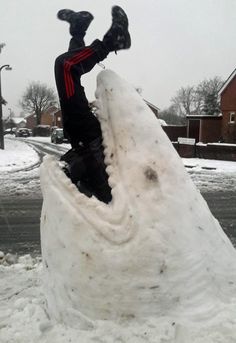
x: 51, y: 110
x: 202, y: 116
x: 18, y: 120
x: 151, y: 105
x: 30, y: 115
x: 227, y: 82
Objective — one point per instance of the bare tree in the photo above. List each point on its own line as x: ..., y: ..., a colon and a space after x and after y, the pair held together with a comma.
x: 207, y: 92
x: 202, y: 98
x: 37, y: 98
x: 171, y: 116
x: 185, y: 101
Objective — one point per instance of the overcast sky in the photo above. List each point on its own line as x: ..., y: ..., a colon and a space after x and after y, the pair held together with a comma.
x: 175, y: 43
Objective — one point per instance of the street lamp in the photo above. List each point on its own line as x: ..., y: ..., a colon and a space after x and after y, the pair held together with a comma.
x: 7, y: 67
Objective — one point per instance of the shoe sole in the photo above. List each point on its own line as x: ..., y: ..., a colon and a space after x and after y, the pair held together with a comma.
x: 119, y: 16
x: 120, y: 19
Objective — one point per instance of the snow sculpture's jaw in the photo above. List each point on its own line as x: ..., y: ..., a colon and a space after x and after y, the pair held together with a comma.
x: 132, y: 257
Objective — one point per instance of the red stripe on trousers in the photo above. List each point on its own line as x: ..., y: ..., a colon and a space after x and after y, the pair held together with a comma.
x: 69, y: 84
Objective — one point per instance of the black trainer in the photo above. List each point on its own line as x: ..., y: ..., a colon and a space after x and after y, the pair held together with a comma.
x: 79, y: 21
x: 118, y: 37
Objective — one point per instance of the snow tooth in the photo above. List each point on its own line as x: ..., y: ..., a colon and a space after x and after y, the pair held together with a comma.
x: 98, y: 111
x: 72, y: 186
x: 78, y: 197
x: 112, y: 182
x: 106, y: 150
x: 107, y: 160
x: 109, y: 170
x: 97, y: 103
x: 114, y: 192
x: 104, y: 145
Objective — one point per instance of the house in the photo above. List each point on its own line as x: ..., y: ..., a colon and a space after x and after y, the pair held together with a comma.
x: 50, y: 117
x: 12, y: 123
x: 204, y: 128
x: 18, y: 122
x: 215, y: 128
x: 227, y: 95
x: 30, y: 121
x: 47, y: 117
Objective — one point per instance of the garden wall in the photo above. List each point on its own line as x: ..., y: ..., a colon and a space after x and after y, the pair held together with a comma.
x: 212, y: 151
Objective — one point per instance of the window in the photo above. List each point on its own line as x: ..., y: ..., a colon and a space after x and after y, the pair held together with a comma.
x: 232, y: 117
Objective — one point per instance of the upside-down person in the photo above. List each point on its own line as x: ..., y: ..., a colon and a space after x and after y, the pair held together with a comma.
x: 85, y: 161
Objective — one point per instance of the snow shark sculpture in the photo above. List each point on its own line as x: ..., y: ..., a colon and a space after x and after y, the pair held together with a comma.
x: 155, y: 250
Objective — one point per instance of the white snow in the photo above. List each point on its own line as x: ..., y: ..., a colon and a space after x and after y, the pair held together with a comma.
x: 19, y: 166
x: 23, y: 315
x: 17, y: 155
x: 212, y: 175
x: 154, y: 258
x: 19, y: 170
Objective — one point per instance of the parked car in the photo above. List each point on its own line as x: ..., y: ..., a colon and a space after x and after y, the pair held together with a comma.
x: 57, y: 136
x: 9, y: 132
x: 22, y: 132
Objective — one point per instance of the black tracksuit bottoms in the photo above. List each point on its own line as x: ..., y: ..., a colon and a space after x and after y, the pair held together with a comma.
x: 79, y: 124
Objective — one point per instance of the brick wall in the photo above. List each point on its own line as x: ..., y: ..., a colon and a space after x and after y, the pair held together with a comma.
x: 30, y: 121
x: 216, y: 152
x: 207, y: 151
x: 47, y: 119
x: 228, y: 105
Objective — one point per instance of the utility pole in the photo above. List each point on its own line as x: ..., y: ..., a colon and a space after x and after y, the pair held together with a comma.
x: 7, y: 67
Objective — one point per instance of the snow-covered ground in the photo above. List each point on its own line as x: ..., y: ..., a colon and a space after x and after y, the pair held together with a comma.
x: 19, y: 166
x: 22, y: 303
x: 19, y: 169
x: 211, y: 175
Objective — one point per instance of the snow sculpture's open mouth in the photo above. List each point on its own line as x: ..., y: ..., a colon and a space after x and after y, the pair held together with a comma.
x: 155, y: 249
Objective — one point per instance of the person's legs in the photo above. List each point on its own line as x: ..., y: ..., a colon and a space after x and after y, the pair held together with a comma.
x: 78, y: 121
x: 96, y: 171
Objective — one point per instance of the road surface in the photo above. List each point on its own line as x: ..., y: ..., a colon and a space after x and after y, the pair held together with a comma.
x: 20, y: 217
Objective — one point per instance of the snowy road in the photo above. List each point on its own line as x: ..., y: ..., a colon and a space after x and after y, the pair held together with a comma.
x: 19, y: 225
x: 223, y: 204
x: 21, y: 198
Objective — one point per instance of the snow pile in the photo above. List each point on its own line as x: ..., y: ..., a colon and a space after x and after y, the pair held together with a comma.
x: 19, y: 170
x: 152, y: 266
x: 17, y: 155
x: 23, y: 318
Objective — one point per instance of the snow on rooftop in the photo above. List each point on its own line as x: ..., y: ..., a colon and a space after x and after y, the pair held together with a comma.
x: 18, y: 120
